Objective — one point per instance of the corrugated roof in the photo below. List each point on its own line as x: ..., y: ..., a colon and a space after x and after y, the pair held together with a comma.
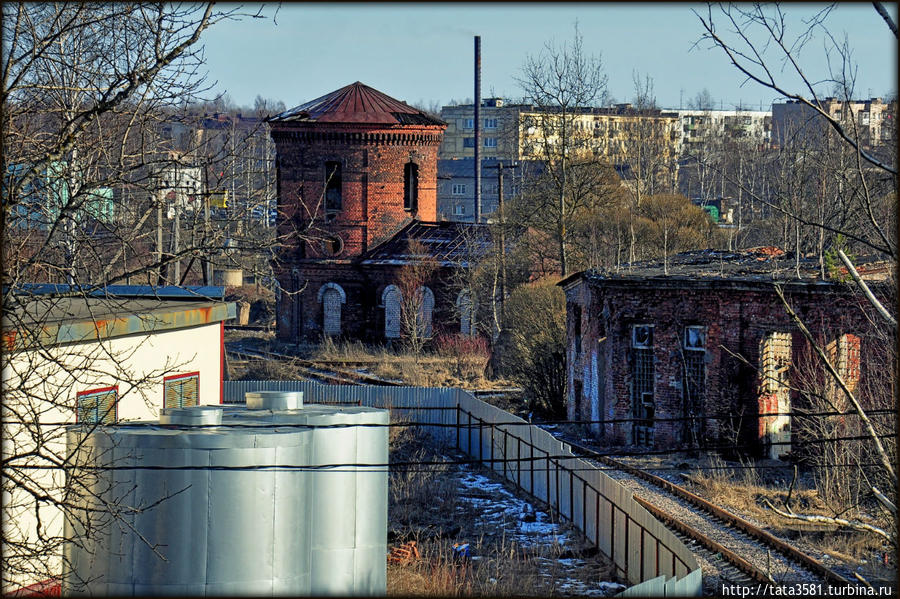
x: 449, y: 243
x: 357, y: 103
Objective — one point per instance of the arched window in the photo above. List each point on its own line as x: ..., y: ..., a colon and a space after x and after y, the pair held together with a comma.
x: 425, y: 307
x: 331, y: 296
x: 466, y: 308
x: 390, y: 299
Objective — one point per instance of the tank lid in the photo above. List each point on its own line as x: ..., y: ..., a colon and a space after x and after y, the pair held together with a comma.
x: 194, y: 416
x: 274, y: 400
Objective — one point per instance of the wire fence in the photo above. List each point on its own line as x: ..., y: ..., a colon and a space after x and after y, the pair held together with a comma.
x: 644, y: 551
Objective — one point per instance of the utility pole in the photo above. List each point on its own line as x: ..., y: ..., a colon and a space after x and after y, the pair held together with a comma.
x: 502, y: 221
x: 477, y: 126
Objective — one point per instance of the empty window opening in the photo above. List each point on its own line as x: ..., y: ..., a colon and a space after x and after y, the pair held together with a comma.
x: 693, y: 385
x: 775, y: 393
x: 410, y: 186
x: 643, y: 403
x: 333, y: 187
x: 97, y: 406
x: 182, y: 390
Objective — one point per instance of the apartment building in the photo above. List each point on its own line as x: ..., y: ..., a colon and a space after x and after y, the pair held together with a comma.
x: 700, y: 127
x: 520, y: 131
x: 872, y: 121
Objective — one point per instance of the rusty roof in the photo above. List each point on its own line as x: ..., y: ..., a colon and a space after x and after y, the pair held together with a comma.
x: 46, y: 320
x: 759, y: 265
x: 449, y: 243
x: 357, y: 103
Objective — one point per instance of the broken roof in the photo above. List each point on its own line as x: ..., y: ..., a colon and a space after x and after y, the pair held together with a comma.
x: 753, y: 265
x: 449, y: 243
x: 357, y: 103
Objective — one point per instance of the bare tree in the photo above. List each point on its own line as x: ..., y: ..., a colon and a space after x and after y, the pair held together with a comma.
x: 561, y: 81
x: 91, y: 96
x: 760, y: 42
x: 416, y: 297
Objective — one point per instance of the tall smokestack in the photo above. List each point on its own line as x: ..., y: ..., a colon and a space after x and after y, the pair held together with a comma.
x: 477, y: 128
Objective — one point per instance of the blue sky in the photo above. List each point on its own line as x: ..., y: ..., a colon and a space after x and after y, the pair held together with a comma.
x: 423, y: 53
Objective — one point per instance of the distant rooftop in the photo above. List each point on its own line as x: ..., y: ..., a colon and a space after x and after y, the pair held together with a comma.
x: 357, y: 103
x: 753, y: 265
x: 449, y: 243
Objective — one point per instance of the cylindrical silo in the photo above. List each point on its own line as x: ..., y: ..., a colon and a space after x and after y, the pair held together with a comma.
x: 315, y: 524
x: 348, y: 502
x: 195, y: 515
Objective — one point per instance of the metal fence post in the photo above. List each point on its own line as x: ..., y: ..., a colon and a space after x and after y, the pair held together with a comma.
x: 505, y: 435
x: 492, y: 446
x: 458, y: 445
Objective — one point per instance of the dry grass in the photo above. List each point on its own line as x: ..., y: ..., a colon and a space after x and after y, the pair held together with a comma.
x: 426, y: 370
x: 743, y: 491
x: 424, y: 506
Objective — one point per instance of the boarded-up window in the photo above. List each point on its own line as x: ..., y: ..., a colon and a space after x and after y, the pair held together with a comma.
x: 97, y: 406
x: 182, y: 390
x: 466, y: 308
x: 844, y: 355
x: 391, y: 299
x: 331, y: 309
x: 425, y: 302
x: 775, y: 393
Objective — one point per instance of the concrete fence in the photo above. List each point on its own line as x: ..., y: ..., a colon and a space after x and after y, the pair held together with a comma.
x: 644, y: 551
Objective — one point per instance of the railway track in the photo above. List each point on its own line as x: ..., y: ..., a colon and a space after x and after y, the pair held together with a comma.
x: 729, y: 548
x: 326, y: 371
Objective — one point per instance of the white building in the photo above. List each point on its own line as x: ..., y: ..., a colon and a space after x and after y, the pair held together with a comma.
x: 109, y: 357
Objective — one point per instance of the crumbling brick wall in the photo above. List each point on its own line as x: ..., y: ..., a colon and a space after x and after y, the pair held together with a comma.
x: 735, y: 318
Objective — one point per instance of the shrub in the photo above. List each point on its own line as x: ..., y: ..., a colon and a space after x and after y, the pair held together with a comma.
x: 534, y: 345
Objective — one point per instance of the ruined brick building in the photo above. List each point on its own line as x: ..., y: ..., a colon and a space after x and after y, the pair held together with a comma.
x: 698, y: 356
x: 356, y: 176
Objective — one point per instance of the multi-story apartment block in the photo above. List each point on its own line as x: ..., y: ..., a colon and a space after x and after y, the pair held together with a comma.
x: 871, y: 121
x: 701, y: 127
x: 456, y: 186
x: 520, y: 131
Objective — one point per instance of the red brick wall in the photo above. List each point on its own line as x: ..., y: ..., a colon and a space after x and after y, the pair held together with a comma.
x: 372, y: 162
x: 736, y: 320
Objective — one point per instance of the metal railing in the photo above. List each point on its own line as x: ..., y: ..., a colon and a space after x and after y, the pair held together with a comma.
x: 643, y: 550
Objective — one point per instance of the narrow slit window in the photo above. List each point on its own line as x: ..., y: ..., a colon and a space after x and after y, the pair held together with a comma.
x: 410, y: 186
x: 333, y: 187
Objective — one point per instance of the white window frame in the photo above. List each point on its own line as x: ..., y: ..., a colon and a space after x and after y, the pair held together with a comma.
x: 702, y: 335
x: 490, y: 123
x: 635, y: 343
x: 490, y: 142
x: 469, y: 123
x: 458, y: 189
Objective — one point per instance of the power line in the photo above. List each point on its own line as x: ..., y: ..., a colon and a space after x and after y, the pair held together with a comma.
x: 554, y: 457
x: 138, y: 424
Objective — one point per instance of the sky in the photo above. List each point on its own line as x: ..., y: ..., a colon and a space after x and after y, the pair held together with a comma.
x: 423, y: 53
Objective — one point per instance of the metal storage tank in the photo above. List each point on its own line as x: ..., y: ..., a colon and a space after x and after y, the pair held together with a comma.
x: 348, y: 504
x: 306, y: 531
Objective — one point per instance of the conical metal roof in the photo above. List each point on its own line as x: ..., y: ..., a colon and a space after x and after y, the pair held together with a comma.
x: 357, y: 103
